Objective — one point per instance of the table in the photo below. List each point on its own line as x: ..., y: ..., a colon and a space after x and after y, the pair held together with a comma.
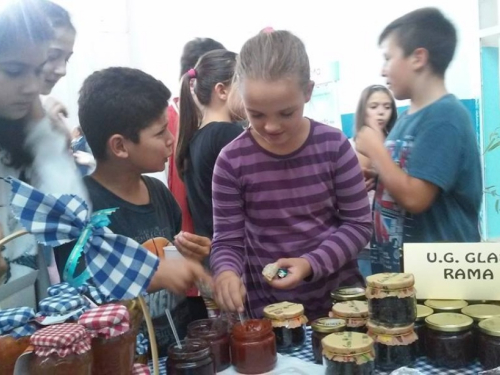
x: 422, y: 365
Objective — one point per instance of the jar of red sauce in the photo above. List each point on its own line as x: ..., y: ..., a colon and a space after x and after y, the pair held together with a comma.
x: 253, y: 347
x: 61, y: 349
x: 215, y: 332
x: 113, y: 342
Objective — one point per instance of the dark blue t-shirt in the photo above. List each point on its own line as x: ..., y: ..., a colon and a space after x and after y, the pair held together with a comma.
x: 437, y: 144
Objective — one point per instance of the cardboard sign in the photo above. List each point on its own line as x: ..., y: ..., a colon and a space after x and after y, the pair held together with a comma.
x: 469, y: 271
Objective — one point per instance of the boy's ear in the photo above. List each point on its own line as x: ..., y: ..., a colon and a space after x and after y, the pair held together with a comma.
x: 309, y: 91
x: 117, y: 146
x: 420, y: 58
x: 222, y: 91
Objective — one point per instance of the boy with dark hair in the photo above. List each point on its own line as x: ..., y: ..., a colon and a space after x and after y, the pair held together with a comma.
x: 429, y: 183
x: 122, y: 113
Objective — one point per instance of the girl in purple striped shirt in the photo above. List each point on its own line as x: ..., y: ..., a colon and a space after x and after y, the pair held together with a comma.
x: 288, y: 190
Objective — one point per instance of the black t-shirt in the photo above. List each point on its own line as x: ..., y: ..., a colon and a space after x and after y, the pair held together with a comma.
x: 204, y: 149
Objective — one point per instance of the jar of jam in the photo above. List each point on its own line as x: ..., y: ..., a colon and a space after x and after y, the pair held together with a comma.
x: 193, y: 357
x: 253, y: 347
x: 15, y: 331
x: 215, y: 332
x: 481, y: 312
x: 213, y: 310
x: 289, y: 324
x: 489, y: 343
x: 391, y: 299
x: 349, y: 353
x: 320, y: 329
x: 113, y: 342
x: 61, y: 349
x: 445, y: 305
x: 420, y: 328
x: 449, y: 340
x: 394, y: 347
x: 348, y: 293
x: 355, y: 314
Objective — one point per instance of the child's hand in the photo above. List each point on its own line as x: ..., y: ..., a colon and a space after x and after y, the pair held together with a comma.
x: 369, y: 140
x: 178, y: 275
x: 298, y: 269
x: 193, y: 246
x: 229, y: 292
x: 56, y: 111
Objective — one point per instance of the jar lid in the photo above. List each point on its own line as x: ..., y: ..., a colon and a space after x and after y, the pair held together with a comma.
x: 107, y: 320
x: 395, y: 331
x: 391, y: 281
x: 63, y: 339
x: 349, y: 343
x: 449, y: 322
x: 490, y: 326
x: 481, y: 312
x: 445, y: 304
x: 328, y: 325
x: 61, y: 304
x: 351, y: 309
x: 192, y: 349
x: 348, y: 293
x: 283, y: 310
x: 14, y: 318
x: 423, y: 312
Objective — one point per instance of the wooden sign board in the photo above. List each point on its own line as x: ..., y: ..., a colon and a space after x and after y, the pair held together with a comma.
x: 469, y: 271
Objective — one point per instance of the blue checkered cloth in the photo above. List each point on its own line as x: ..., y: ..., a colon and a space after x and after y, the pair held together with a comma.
x: 65, y: 288
x: 142, y: 344
x: 63, y: 304
x: 422, y: 364
x: 16, y: 322
x: 119, y: 266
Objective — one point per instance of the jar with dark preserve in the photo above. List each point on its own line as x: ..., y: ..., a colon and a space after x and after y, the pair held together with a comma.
x: 391, y: 299
x: 215, y: 332
x: 253, y: 347
x: 348, y: 293
x: 320, y: 329
x: 61, y: 349
x: 348, y: 353
x: 420, y: 327
x: 394, y: 347
x: 446, y: 305
x: 489, y: 343
x: 289, y: 324
x: 449, y: 340
x: 113, y: 342
x: 481, y: 312
x: 355, y: 313
x: 193, y: 357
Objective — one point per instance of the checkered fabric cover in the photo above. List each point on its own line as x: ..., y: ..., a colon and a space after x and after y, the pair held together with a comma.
x: 62, y: 304
x: 65, y: 288
x: 15, y: 322
x: 140, y: 369
x: 119, y: 266
x: 141, y: 345
x: 61, y: 339
x: 106, y: 321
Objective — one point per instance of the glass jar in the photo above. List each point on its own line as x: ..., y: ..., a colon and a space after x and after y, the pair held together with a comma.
x: 113, y: 342
x: 61, y: 349
x: 348, y: 353
x: 289, y: 325
x: 449, y: 340
x: 445, y: 305
x: 420, y: 328
x: 320, y: 329
x: 355, y: 313
x: 391, y: 299
x: 394, y: 347
x: 253, y: 347
x: 348, y: 293
x: 10, y: 350
x: 481, y: 312
x: 215, y: 332
x: 489, y: 343
x: 194, y: 357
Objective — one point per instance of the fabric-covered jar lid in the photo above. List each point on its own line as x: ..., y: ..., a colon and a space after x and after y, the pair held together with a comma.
x: 61, y: 304
x: 15, y: 322
x: 106, y: 321
x: 351, y: 309
x: 286, y: 314
x: 63, y: 288
x: 61, y: 339
x: 391, y: 281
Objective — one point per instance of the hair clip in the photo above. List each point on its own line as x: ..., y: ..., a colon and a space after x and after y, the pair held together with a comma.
x: 267, y: 30
x: 192, y: 73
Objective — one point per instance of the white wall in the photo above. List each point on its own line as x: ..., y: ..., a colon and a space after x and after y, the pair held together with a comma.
x: 150, y: 34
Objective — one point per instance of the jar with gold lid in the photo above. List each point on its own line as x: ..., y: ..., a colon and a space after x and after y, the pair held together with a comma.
x: 289, y: 324
x: 321, y: 328
x: 445, y: 305
x: 348, y: 353
x: 481, y: 312
x: 348, y: 293
x: 420, y: 327
x: 449, y: 340
x: 489, y: 343
x: 391, y: 299
x: 355, y: 313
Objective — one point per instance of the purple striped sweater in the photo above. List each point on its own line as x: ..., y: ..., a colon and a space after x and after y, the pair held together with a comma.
x: 311, y: 203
